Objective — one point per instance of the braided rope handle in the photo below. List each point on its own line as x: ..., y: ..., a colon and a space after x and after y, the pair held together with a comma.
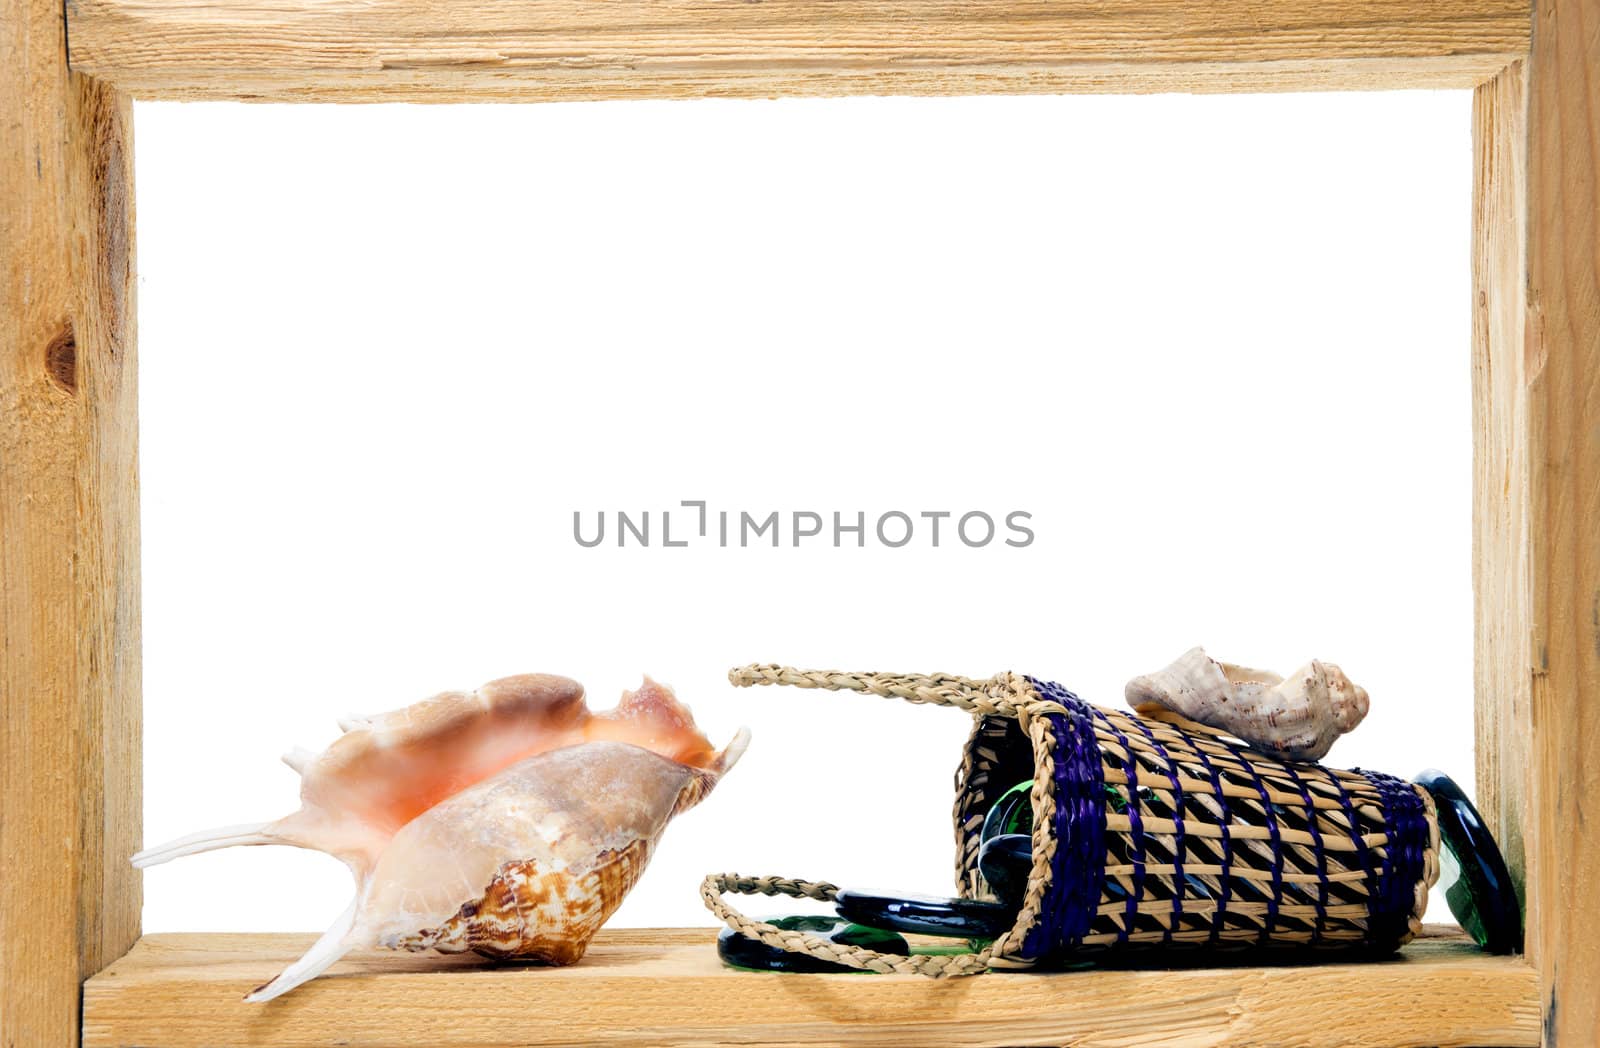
x: 1001, y: 694
x: 936, y: 966
x: 1005, y: 694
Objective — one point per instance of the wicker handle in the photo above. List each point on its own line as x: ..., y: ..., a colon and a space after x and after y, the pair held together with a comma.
x: 937, y: 966
x: 997, y: 695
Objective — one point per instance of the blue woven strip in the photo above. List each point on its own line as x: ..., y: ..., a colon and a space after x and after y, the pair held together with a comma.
x: 1406, y: 824
x: 1179, y: 843
x: 1317, y: 850
x: 1077, y: 871
x: 1225, y: 846
x: 1363, y: 852
x: 1130, y: 770
x: 1274, y: 897
x: 1382, y: 902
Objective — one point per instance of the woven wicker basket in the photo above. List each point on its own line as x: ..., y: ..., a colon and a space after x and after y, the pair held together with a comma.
x: 1150, y: 832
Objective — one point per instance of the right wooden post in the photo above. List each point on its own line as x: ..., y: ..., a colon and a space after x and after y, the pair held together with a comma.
x: 1562, y: 349
x: 1537, y: 495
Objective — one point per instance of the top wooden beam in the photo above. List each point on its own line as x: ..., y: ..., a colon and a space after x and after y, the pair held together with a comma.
x: 532, y: 50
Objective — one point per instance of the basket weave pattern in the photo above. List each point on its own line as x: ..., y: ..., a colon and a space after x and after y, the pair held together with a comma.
x: 1149, y: 831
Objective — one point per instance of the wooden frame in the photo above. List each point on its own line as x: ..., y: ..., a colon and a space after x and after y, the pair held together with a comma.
x: 69, y: 568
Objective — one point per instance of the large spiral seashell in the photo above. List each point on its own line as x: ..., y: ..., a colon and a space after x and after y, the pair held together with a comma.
x: 510, y: 820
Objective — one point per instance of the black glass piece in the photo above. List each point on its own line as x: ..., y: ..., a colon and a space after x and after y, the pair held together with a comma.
x: 1011, y: 813
x: 924, y: 915
x: 1480, y: 892
x: 1150, y: 802
x: 741, y: 951
x: 1005, y: 863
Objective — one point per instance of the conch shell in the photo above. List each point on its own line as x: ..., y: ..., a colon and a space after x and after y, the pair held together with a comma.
x: 510, y: 820
x: 1295, y: 718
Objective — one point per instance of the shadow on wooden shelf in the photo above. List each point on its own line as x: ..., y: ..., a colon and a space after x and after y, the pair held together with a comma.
x: 653, y: 987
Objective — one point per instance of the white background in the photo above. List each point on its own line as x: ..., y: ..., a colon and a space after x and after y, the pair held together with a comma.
x: 1218, y: 347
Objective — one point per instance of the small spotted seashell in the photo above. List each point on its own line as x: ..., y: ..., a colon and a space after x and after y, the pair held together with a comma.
x: 1295, y: 718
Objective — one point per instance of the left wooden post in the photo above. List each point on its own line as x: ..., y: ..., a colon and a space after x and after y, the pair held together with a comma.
x: 69, y: 530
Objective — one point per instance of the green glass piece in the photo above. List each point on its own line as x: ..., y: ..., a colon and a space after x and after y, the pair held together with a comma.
x: 1117, y: 797
x: 1005, y: 862
x: 1473, y: 873
x: 948, y: 949
x: 1012, y: 812
x: 1458, y: 895
x: 741, y: 951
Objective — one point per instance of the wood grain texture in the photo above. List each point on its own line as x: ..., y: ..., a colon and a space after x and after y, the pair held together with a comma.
x: 1503, y: 650
x: 69, y: 578
x: 667, y: 987
x: 1562, y: 370
x: 428, y: 50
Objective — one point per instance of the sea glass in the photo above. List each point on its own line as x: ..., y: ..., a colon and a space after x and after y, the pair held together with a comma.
x: 741, y: 951
x: 1012, y: 812
x: 926, y: 915
x: 1005, y: 862
x: 1473, y: 873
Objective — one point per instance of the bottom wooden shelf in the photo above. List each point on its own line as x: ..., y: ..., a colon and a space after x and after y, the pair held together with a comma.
x: 667, y: 987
